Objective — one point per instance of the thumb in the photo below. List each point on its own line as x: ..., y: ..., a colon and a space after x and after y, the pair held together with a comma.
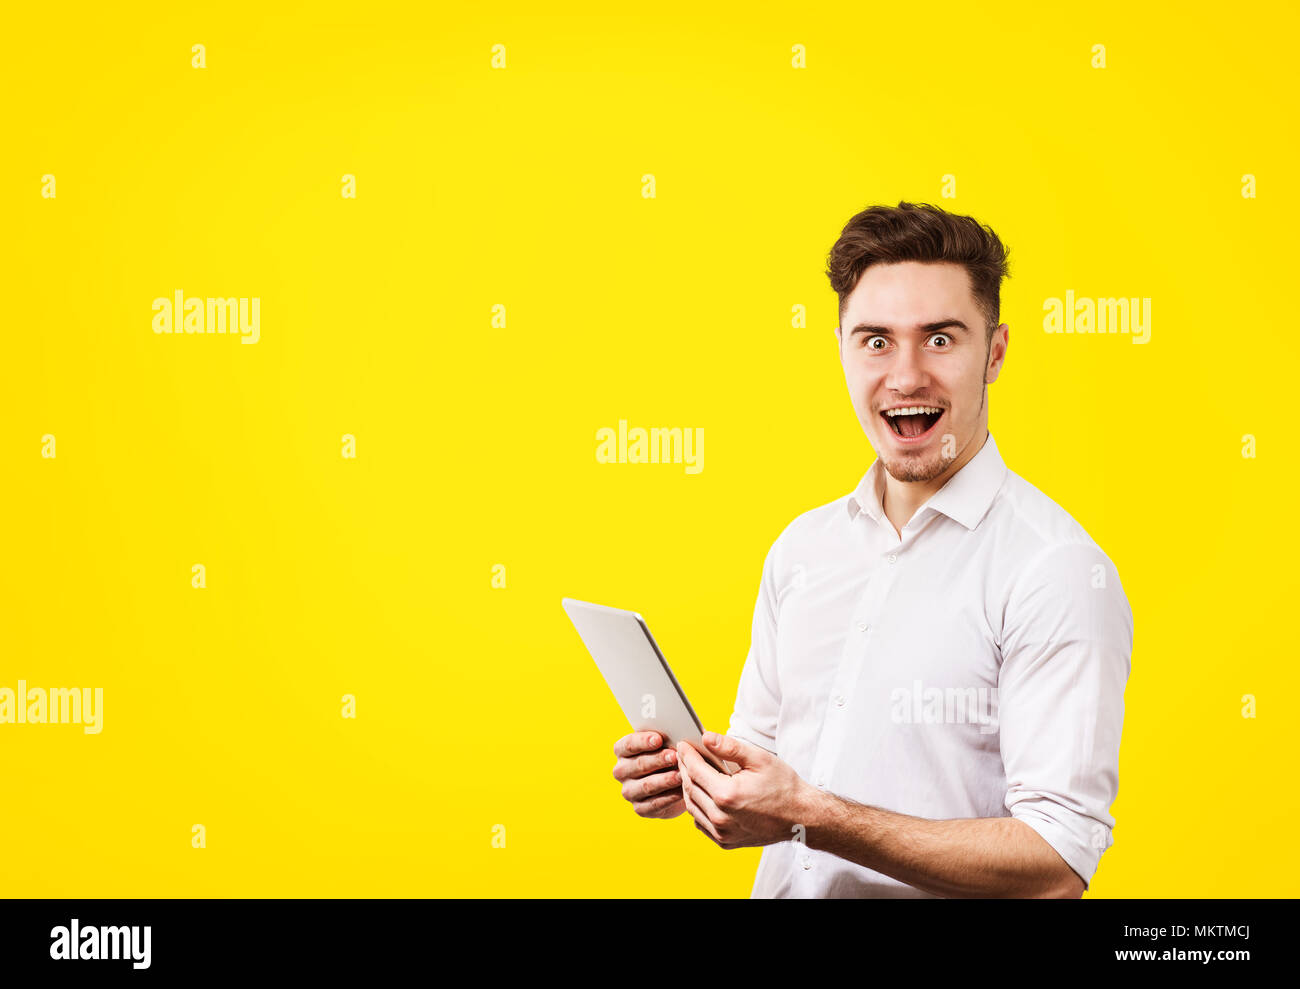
x: 743, y: 754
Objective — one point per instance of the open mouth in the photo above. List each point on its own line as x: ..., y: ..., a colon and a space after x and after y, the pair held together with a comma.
x: 913, y: 423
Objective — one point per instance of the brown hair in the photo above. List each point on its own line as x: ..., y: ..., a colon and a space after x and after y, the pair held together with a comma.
x: 926, y: 233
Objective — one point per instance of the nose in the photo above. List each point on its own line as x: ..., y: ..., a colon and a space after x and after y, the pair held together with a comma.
x: 907, y: 373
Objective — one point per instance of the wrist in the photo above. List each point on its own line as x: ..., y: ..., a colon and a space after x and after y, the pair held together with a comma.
x: 814, y: 811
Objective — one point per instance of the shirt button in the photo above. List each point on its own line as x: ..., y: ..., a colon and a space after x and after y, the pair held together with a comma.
x: 839, y: 700
x: 893, y: 557
x: 806, y: 861
x: 821, y: 780
x: 863, y: 626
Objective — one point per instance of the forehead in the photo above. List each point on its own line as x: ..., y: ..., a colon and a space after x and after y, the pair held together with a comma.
x: 910, y: 292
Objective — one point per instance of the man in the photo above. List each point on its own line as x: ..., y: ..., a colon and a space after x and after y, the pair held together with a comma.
x: 933, y: 696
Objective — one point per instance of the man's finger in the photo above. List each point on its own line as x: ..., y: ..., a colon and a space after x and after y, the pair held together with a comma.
x: 644, y: 765
x: 647, y: 786
x: 636, y: 743
x: 702, y: 774
x: 661, y: 806
x: 701, y: 798
x: 708, y: 831
x: 701, y: 819
x: 742, y: 754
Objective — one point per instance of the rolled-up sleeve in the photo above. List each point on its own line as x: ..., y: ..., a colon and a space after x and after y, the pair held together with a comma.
x: 758, y: 697
x: 1066, y: 649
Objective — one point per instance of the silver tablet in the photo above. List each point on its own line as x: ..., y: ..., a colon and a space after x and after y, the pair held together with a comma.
x: 630, y: 661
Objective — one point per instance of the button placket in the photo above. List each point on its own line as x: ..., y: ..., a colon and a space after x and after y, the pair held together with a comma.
x: 852, y: 657
x: 856, y: 655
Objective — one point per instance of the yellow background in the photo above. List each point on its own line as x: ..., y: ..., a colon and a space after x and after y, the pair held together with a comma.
x: 476, y: 445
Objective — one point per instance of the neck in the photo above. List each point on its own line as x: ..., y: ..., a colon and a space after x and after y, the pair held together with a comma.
x: 902, y: 498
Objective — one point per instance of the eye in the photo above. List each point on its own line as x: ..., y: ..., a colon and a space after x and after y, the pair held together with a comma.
x: 945, y: 338
x: 867, y: 342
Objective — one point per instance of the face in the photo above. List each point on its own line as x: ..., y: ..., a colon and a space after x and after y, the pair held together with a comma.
x: 912, y: 335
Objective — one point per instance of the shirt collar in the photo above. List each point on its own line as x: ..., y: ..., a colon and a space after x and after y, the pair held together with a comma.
x: 965, y: 497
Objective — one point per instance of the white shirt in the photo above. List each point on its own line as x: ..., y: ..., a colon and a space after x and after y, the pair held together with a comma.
x: 974, y: 667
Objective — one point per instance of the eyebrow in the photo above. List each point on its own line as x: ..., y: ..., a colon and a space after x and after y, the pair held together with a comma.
x: 934, y: 327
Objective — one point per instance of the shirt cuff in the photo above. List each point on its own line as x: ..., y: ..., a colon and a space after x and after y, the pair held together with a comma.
x: 1072, y: 842
x: 747, y: 734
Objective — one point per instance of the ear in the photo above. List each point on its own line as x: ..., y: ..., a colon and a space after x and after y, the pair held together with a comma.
x: 997, y: 353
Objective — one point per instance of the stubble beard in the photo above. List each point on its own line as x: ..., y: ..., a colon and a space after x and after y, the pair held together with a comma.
x: 912, y: 469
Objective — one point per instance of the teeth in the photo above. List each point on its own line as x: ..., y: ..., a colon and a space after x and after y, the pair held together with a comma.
x: 911, y: 410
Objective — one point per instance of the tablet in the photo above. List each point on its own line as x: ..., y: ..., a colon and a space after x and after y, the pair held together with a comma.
x: 634, y: 667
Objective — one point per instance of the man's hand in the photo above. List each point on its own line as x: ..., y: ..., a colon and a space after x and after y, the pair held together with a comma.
x: 761, y: 804
x: 648, y: 772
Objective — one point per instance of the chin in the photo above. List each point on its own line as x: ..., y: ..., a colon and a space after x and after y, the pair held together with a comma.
x: 910, y: 469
